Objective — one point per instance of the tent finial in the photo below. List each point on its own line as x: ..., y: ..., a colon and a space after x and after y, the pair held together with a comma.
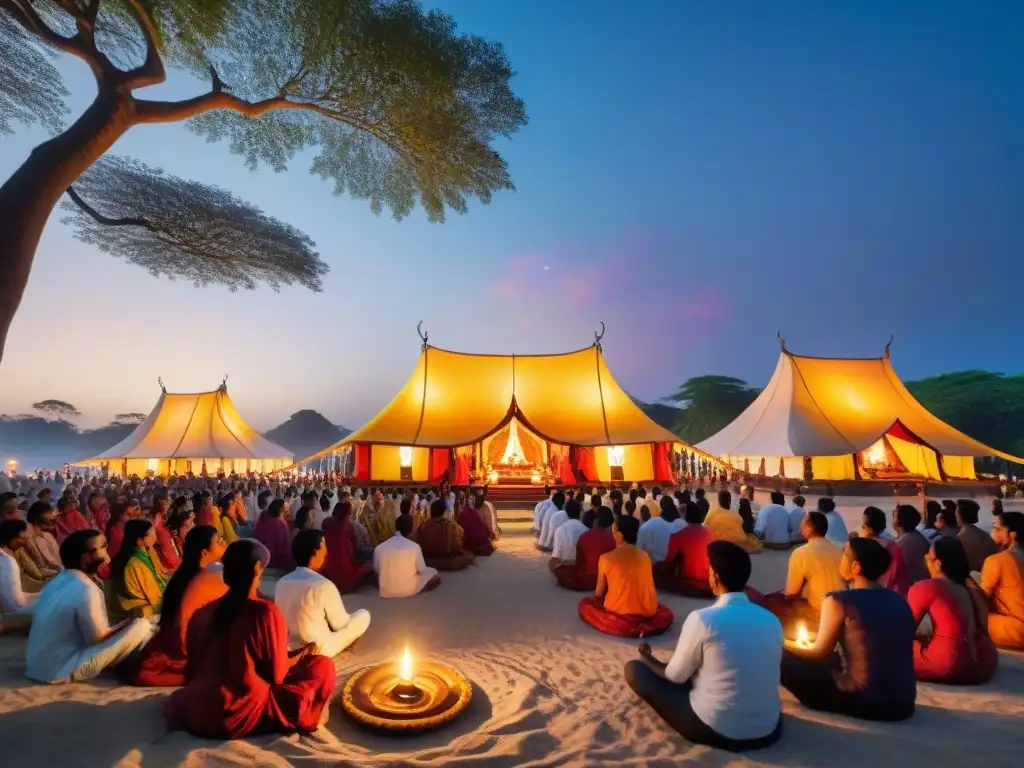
x: 599, y: 335
x: 424, y: 335
x: 782, y: 341
x: 224, y: 384
x: 160, y: 381
x: 889, y: 345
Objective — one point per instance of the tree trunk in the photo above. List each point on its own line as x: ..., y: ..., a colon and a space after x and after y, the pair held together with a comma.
x: 28, y: 197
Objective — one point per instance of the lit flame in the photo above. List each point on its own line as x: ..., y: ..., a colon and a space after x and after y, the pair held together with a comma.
x: 616, y: 454
x: 802, y: 637
x: 405, y: 668
x: 405, y: 456
x: 875, y: 454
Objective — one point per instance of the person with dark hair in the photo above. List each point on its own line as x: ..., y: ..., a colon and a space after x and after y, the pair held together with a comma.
x: 194, y: 585
x: 721, y: 686
x: 342, y: 566
x: 440, y: 540
x: 9, y: 505
x: 727, y: 525
x: 554, y: 518
x: 135, y: 586
x: 913, y: 545
x: 655, y: 532
x: 814, y: 572
x: 242, y: 680
x: 581, y: 574
x: 567, y: 537
x: 399, y: 561
x: 751, y: 543
x: 837, y: 533
x: 115, y: 528
x: 874, y: 627
x: 1002, y: 579
x: 955, y: 648
x: 165, y: 549
x: 625, y: 602
x: 796, y: 517
x: 700, y: 499
x: 724, y: 506
x: 872, y: 527
x: 475, y: 536
x: 997, y: 506
x: 947, y: 520
x: 224, y: 517
x: 312, y: 606
x: 13, y: 599
x: 772, y: 524
x: 929, y: 529
x: 273, y: 532
x: 40, y: 557
x: 71, y: 639
x: 98, y: 510
x: 686, y: 566
x: 543, y: 509
x: 977, y: 544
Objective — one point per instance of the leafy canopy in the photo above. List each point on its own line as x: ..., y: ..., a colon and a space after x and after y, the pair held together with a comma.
x: 56, y: 407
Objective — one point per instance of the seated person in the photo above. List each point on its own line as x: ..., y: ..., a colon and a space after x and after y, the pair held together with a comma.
x: 274, y: 533
x: 977, y: 544
x: 543, y: 509
x: 342, y: 567
x: 686, y: 566
x: 194, y: 585
x: 399, y: 562
x: 814, y: 572
x: 1002, y: 579
x: 875, y: 630
x: 721, y: 686
x: 475, y: 536
x: 242, y: 680
x: 135, y: 586
x: 958, y: 650
x: 71, y: 639
x: 872, y: 527
x: 567, y: 537
x: 746, y: 513
x: 16, y: 606
x: 836, y: 525
x: 311, y: 604
x: 772, y: 524
x: 552, y: 520
x: 626, y: 602
x: 915, y: 547
x: 440, y: 539
x: 728, y: 525
x: 656, y: 531
x: 796, y: 517
x: 40, y: 545
x: 581, y: 573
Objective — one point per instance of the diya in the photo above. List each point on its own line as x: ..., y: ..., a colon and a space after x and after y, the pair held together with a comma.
x: 400, y: 696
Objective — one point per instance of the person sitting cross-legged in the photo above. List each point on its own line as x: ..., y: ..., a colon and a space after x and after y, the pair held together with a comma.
x: 721, y: 686
x: 772, y: 524
x: 136, y: 582
x: 1002, y: 579
x: 896, y: 577
x: 655, y: 532
x: 312, y: 606
x: 342, y: 565
x: 554, y: 517
x: 475, y: 536
x: 685, y: 568
x: 728, y: 525
x: 440, y: 538
x: 399, y: 562
x: 874, y: 627
x: 581, y: 574
x: 16, y: 606
x: 274, y: 533
x: 626, y: 602
x: 567, y: 537
x: 71, y: 639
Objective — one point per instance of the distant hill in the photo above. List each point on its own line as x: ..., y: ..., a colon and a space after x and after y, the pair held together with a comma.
x: 663, y: 415
x: 306, y: 432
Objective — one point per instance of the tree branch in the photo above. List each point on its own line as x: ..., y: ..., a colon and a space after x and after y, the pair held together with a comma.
x: 82, y: 45
x: 152, y: 71
x: 105, y: 220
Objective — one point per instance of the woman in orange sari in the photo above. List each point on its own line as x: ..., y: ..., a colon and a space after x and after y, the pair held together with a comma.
x: 1002, y: 579
x: 194, y: 585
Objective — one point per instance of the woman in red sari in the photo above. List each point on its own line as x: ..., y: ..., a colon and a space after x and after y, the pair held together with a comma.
x: 686, y: 568
x: 341, y: 566
x: 115, y: 528
x: 162, y: 660
x: 475, y: 537
x: 242, y: 681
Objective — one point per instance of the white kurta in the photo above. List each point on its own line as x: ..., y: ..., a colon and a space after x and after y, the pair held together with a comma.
x: 654, y: 535
x: 12, y: 598
x: 566, y: 538
x: 552, y: 523
x: 315, y: 613
x: 401, y: 571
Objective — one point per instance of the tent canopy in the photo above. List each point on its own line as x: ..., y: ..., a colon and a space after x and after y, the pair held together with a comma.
x: 816, y: 406
x: 454, y: 399
x: 201, y: 425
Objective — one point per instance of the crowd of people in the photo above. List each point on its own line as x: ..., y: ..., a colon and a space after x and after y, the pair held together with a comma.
x: 162, y: 582
x: 862, y: 618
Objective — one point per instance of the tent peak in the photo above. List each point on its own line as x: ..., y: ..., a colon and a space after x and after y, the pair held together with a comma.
x: 160, y: 381
x: 782, y: 341
x: 888, y: 346
x: 424, y: 335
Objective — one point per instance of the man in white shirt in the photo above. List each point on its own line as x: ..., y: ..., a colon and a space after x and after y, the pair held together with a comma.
x: 567, y: 536
x: 796, y: 519
x: 837, y: 532
x: 655, y: 533
x: 772, y: 524
x: 15, y: 606
x: 398, y: 561
x: 312, y: 606
x: 71, y: 639
x: 721, y: 687
x: 541, y: 510
x: 552, y: 520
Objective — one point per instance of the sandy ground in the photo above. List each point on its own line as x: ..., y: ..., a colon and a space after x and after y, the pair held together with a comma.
x: 548, y: 691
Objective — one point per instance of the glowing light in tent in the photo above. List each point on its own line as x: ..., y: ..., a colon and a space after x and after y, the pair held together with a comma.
x: 153, y: 465
x: 803, y: 639
x: 513, y: 449
x: 12, y: 464
x: 405, y: 456
x: 616, y: 455
x: 405, y: 666
x: 875, y: 455
x: 493, y: 477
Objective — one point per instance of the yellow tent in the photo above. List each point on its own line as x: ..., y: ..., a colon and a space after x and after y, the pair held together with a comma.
x: 187, y: 433
x: 852, y: 418
x: 454, y: 405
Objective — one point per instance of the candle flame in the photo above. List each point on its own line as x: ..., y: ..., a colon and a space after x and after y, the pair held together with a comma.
x: 802, y: 638
x: 405, y: 669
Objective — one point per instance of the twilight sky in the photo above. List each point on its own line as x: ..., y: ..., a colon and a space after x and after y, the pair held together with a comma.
x: 698, y: 175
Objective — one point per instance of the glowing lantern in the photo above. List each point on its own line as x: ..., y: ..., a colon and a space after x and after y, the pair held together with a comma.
x: 405, y: 456
x: 803, y: 639
x: 616, y: 455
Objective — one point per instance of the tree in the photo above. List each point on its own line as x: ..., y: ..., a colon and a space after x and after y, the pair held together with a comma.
x: 709, y: 403
x: 128, y: 419
x: 56, y: 408
x: 402, y: 109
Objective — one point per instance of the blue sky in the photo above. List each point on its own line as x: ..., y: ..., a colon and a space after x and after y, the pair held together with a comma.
x: 698, y: 175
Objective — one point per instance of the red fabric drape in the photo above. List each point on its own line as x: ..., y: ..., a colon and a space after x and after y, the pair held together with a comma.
x: 565, y: 471
x: 899, y: 431
x: 587, y: 463
x: 362, y: 463
x: 462, y: 462
x: 440, y: 460
x: 662, y: 465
